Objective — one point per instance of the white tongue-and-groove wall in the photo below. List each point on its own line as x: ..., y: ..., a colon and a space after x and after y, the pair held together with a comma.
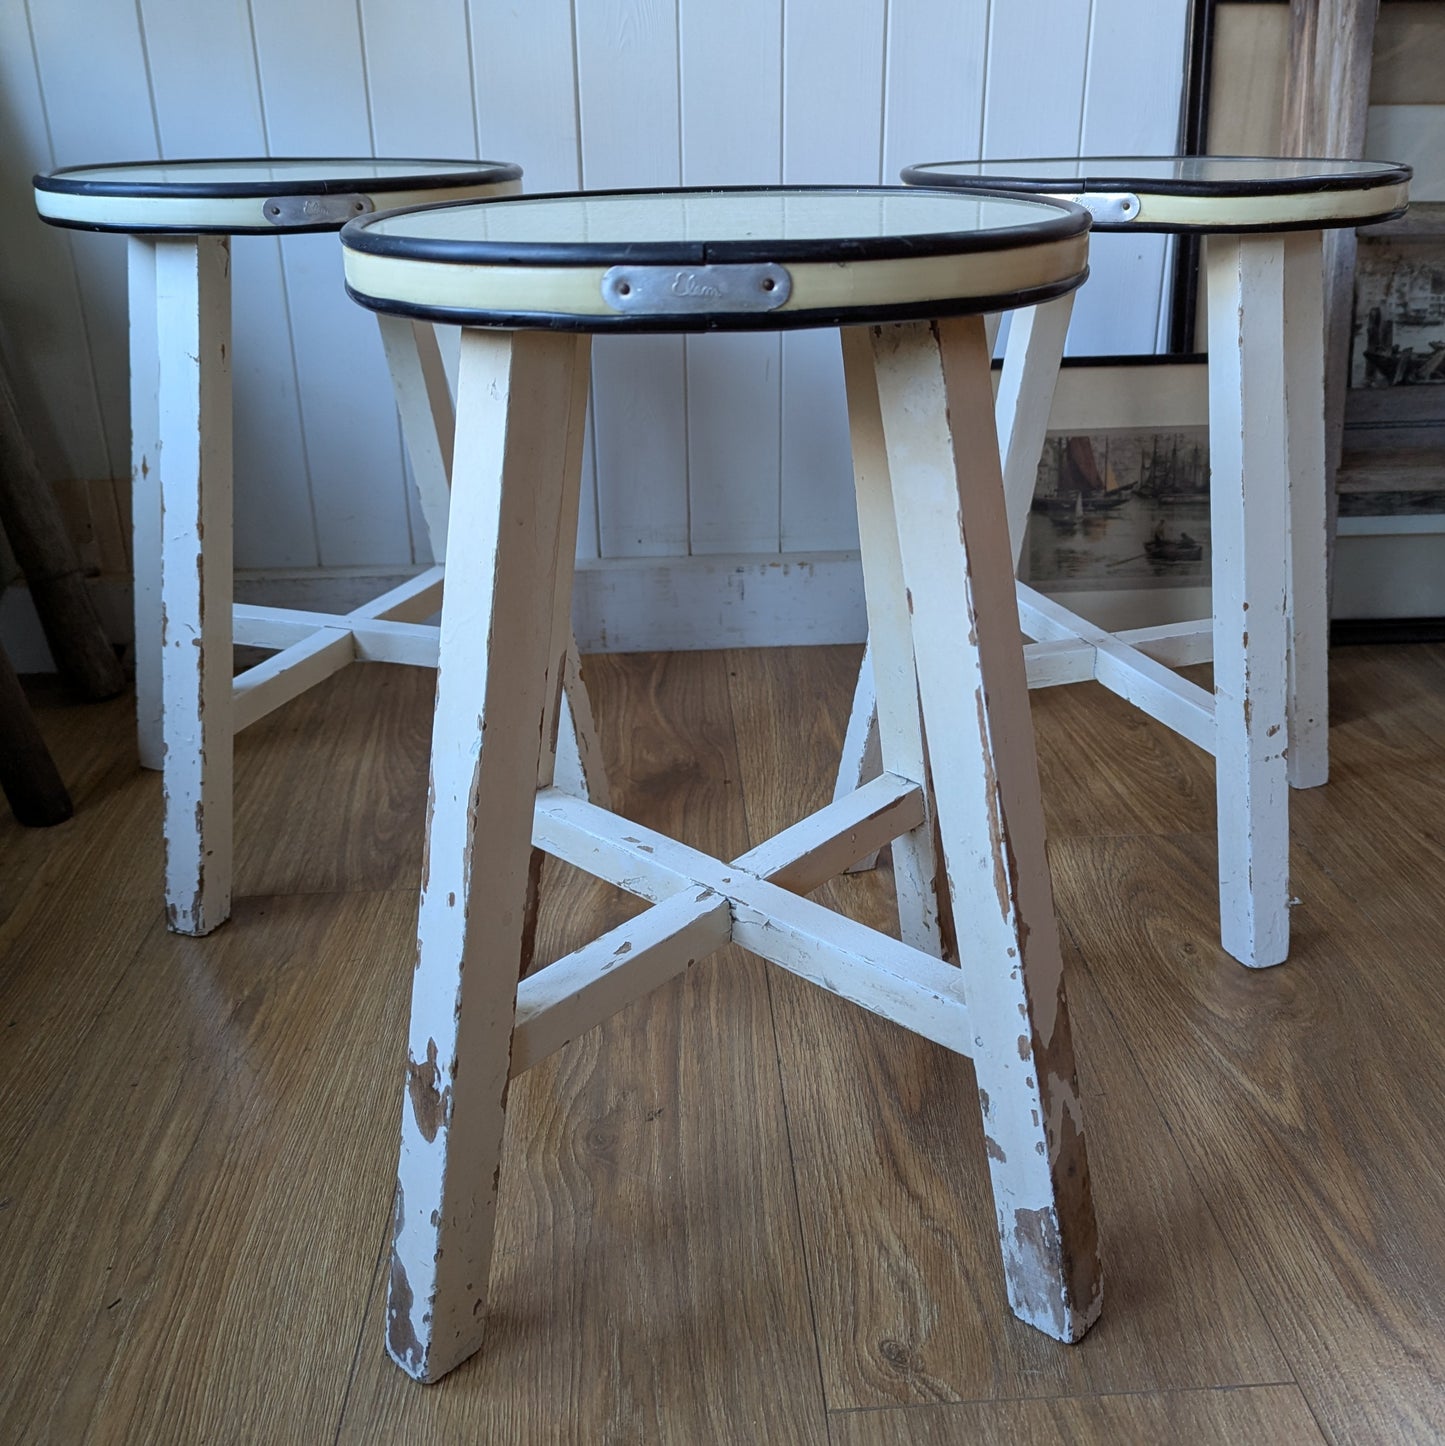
x: 717, y: 496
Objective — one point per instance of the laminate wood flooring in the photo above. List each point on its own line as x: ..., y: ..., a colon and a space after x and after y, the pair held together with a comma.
x: 741, y: 1210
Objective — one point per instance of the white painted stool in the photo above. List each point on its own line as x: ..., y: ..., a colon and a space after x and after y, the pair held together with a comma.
x: 1266, y: 723
x: 180, y: 216
x: 906, y: 274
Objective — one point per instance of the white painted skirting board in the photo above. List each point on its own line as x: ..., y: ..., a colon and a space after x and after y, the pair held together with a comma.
x: 621, y: 605
x: 662, y: 604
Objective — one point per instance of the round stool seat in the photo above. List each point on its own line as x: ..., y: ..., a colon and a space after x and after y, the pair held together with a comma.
x: 1194, y: 193
x: 746, y: 258
x: 256, y: 195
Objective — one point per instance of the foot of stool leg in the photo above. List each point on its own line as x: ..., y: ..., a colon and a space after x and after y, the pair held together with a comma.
x: 1250, y: 534
x: 922, y: 907
x: 495, y: 680
x: 193, y: 324
x: 953, y: 531
x: 1309, y: 620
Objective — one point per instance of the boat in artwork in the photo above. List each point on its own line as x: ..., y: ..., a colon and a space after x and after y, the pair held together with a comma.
x: 1083, y: 486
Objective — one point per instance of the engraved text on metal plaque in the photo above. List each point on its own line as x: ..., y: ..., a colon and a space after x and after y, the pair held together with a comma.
x: 315, y: 210
x: 669, y: 290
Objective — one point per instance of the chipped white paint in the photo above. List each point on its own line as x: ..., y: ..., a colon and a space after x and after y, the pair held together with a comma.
x: 428, y: 423
x: 145, y: 499
x: 503, y: 649
x: 1249, y: 529
x: 493, y: 682
x: 900, y: 733
x: 1032, y: 354
x: 1267, y: 300
x: 952, y: 526
x: 289, y: 673
x: 573, y: 755
x: 193, y: 414
x: 591, y: 984
x: 180, y: 382
x: 862, y: 758
x: 1308, y: 601
x: 1130, y: 672
x: 879, y: 974
x: 1021, y: 409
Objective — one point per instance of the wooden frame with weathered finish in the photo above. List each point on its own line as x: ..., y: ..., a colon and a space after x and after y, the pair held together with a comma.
x: 970, y: 825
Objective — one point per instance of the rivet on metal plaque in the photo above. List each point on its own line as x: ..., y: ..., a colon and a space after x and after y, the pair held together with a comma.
x: 315, y: 210
x: 1108, y: 207
x: 667, y: 290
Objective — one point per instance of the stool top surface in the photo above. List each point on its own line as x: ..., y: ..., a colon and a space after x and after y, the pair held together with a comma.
x: 1194, y: 193
x: 709, y: 259
x: 256, y: 193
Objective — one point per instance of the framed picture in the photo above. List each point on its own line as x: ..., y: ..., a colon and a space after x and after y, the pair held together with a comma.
x: 1393, y: 463
x: 1123, y: 507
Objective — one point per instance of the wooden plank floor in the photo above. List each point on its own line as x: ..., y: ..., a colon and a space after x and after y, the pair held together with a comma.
x: 740, y: 1211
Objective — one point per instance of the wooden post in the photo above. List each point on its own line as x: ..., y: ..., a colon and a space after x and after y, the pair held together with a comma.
x: 952, y: 529
x: 193, y: 329
x: 1249, y: 528
x: 494, y: 678
x: 32, y: 522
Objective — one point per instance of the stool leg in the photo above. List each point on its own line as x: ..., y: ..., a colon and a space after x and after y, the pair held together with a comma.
x: 145, y: 499
x: 1021, y: 413
x: 1250, y: 535
x: 900, y: 733
x: 193, y: 333
x: 953, y: 531
x: 1309, y: 620
x: 428, y: 426
x: 575, y: 762
x: 494, y: 678
x: 428, y: 422
x: 1025, y: 395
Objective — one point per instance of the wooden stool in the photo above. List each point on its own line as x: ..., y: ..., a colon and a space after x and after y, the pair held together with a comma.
x: 181, y: 216
x: 906, y: 273
x: 1267, y: 720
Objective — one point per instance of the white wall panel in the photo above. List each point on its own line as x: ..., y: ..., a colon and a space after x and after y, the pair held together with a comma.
x: 731, y: 65
x: 832, y: 131
x: 353, y: 441
x: 98, y: 99
x: 627, y: 84
x: 937, y: 51
x: 524, y: 80
x: 42, y: 323
x: 202, y: 64
x: 733, y: 445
